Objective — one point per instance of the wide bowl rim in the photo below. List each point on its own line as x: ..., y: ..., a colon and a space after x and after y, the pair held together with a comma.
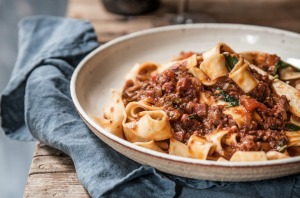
x: 159, y: 155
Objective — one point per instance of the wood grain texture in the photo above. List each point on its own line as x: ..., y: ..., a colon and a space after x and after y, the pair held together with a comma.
x: 46, y: 164
x: 283, y: 14
x: 52, y: 172
x: 55, y: 184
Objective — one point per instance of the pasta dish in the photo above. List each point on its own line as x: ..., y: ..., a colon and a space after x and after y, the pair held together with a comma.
x: 217, y: 105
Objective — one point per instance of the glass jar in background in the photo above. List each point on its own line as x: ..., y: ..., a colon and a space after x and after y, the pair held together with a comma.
x: 131, y: 7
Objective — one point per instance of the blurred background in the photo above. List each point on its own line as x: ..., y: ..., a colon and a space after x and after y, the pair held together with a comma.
x: 16, y: 157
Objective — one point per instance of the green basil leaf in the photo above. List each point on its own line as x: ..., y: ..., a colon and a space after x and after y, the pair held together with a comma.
x: 230, y: 61
x: 228, y: 98
x: 281, y: 64
x: 292, y: 127
x: 194, y: 117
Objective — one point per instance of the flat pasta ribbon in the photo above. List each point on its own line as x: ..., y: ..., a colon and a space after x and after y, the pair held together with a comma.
x: 294, y: 138
x: 248, y: 156
x: 243, y: 77
x: 214, y: 66
x: 196, y: 147
x: 218, y: 49
x: 192, y: 65
x: 238, y: 114
x: 141, y: 69
x: 216, y: 138
x: 113, y: 115
x: 149, y: 145
x: 145, y: 123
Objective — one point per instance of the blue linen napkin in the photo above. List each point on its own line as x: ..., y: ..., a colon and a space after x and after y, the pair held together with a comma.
x: 36, y: 104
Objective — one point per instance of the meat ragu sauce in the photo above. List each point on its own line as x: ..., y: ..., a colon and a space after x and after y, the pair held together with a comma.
x: 178, y: 91
x: 266, y: 62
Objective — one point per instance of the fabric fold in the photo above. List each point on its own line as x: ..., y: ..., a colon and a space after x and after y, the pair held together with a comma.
x: 38, y: 41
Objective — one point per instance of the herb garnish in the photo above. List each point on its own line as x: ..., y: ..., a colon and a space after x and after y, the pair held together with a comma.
x: 281, y: 64
x: 228, y: 98
x: 292, y: 127
x: 274, y: 77
x: 230, y: 61
x: 194, y: 117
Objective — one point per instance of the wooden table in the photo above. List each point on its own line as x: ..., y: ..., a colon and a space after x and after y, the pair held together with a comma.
x: 52, y: 173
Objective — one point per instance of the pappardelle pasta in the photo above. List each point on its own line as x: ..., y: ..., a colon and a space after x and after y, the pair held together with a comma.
x: 218, y: 105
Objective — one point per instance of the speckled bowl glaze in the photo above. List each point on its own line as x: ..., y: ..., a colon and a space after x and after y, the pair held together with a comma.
x: 105, y: 68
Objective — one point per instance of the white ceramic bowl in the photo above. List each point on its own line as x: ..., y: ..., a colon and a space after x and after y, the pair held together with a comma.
x: 105, y: 68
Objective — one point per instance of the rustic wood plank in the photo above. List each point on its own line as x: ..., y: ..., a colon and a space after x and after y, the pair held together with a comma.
x: 108, y: 30
x: 123, y: 26
x: 52, y: 174
x: 48, y: 160
x: 54, y: 185
x: 42, y: 149
x: 48, y: 164
x: 283, y: 14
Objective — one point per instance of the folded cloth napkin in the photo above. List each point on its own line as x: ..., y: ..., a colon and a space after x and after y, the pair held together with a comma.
x: 36, y: 104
